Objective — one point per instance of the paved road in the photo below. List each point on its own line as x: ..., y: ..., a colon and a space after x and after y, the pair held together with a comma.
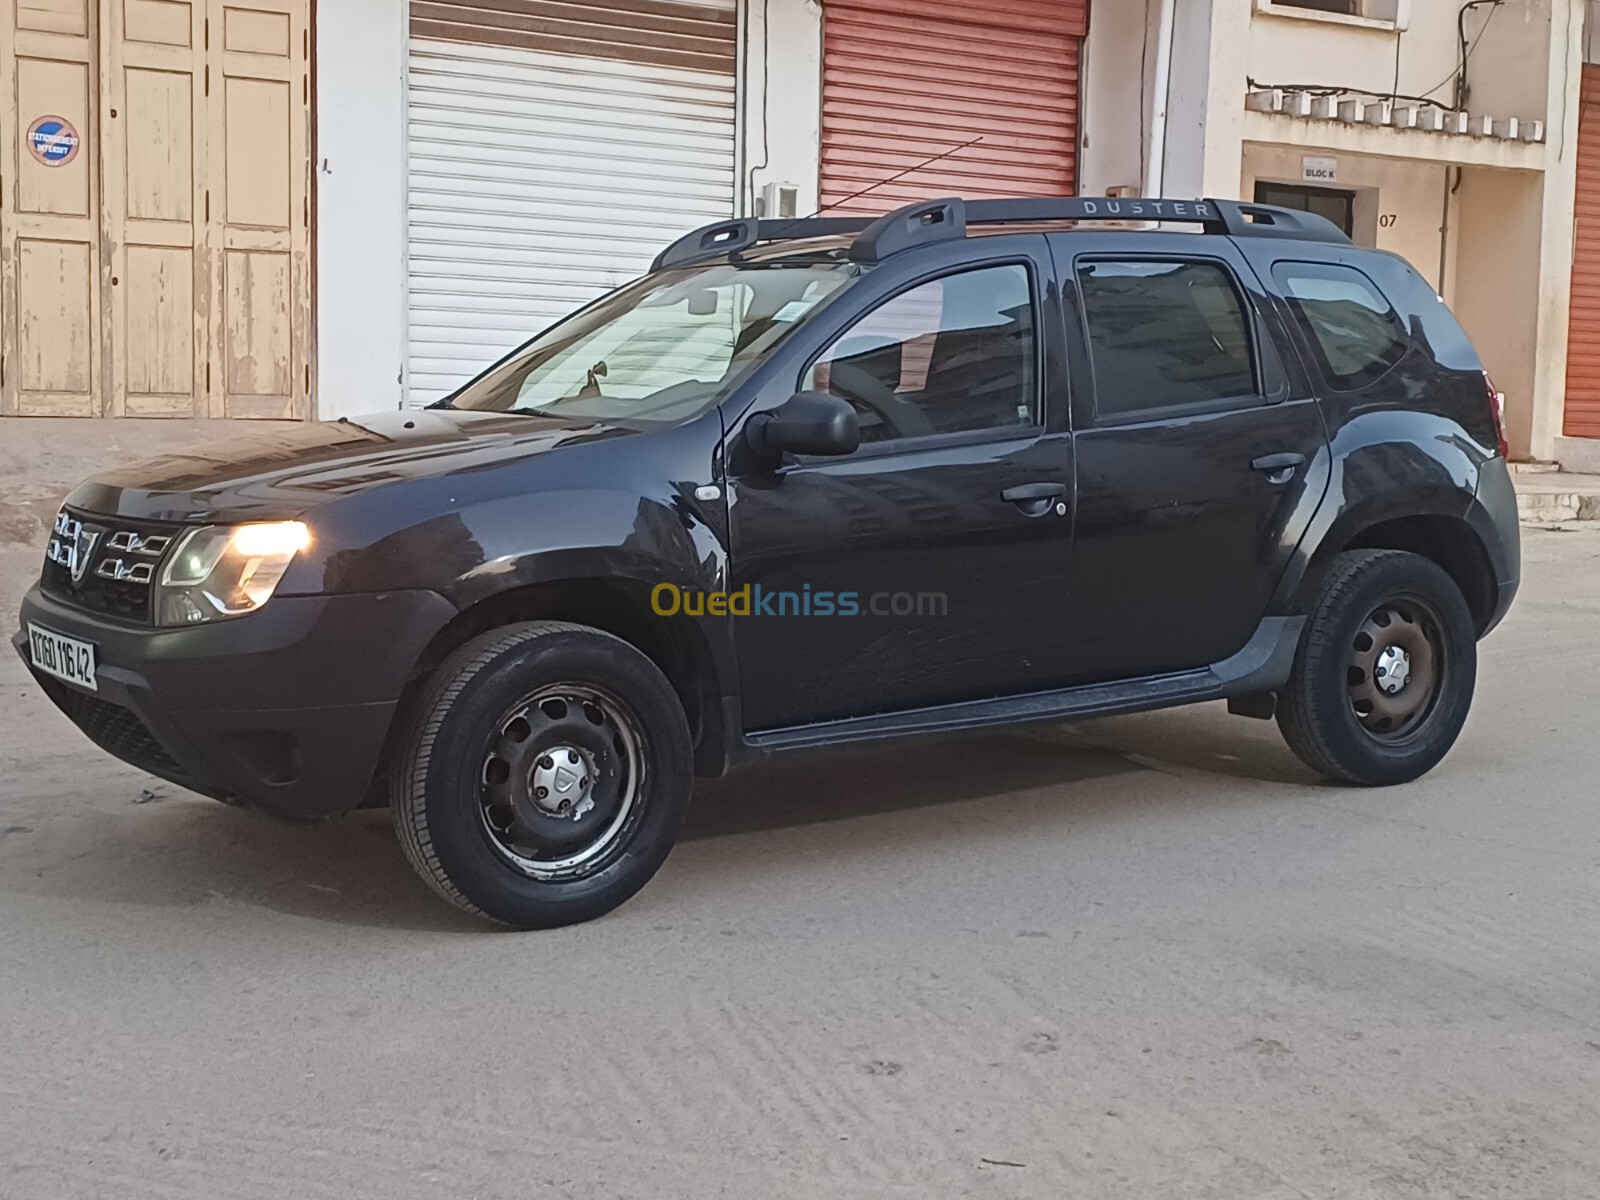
x: 1145, y: 957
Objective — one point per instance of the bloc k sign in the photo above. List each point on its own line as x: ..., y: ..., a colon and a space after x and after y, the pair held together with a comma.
x: 753, y: 600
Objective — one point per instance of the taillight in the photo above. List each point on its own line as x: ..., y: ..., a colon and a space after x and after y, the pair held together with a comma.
x: 1497, y: 406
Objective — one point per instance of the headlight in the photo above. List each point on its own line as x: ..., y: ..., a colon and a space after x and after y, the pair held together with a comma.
x: 226, y: 572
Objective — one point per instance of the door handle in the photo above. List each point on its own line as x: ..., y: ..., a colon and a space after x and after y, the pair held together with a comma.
x: 1279, y: 468
x: 1037, y: 499
x: 1028, y: 493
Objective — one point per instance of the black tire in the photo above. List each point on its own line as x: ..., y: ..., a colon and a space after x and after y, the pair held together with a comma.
x: 463, y: 791
x: 1337, y: 713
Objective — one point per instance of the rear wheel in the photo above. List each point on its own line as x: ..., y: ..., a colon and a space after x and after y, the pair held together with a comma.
x: 544, y: 777
x: 1384, y: 675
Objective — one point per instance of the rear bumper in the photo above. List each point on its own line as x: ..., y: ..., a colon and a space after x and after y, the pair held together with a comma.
x: 220, y: 708
x: 1494, y: 517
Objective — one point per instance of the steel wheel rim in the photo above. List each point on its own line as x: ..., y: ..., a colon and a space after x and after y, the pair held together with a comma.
x: 1396, y: 670
x: 562, y: 782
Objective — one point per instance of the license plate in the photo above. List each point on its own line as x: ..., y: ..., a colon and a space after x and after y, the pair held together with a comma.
x: 64, y: 657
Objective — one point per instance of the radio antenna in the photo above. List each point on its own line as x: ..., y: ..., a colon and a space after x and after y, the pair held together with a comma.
x: 927, y: 162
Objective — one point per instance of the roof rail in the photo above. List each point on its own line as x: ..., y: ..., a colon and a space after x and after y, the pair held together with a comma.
x: 1266, y: 220
x: 949, y: 220
x: 730, y: 237
x: 913, y: 225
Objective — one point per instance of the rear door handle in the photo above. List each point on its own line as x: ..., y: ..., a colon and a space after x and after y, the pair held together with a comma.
x: 1028, y: 493
x: 1279, y: 468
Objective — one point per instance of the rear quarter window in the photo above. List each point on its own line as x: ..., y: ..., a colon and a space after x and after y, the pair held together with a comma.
x: 1354, y: 332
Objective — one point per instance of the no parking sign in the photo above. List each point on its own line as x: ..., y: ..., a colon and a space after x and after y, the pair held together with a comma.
x: 53, y: 141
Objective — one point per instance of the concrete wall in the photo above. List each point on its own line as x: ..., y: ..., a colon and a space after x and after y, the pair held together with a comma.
x: 1115, y: 109
x: 1558, y: 226
x: 782, y: 73
x: 1205, y: 128
x: 1496, y: 295
x: 359, y: 184
x: 1510, y: 71
x: 1507, y: 69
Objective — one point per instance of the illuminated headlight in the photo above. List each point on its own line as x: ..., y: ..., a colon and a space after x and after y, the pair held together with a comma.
x: 220, y: 571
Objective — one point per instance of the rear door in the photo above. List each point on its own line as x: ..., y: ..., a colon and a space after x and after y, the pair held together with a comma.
x: 1198, y: 467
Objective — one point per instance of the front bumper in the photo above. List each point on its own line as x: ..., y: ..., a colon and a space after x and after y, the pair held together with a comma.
x: 222, y: 708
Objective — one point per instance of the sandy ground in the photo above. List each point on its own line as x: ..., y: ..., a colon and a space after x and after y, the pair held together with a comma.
x: 1145, y: 957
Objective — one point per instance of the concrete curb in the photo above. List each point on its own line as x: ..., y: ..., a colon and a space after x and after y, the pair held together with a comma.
x: 1546, y: 508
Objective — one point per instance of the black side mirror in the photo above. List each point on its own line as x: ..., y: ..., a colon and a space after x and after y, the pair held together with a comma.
x: 807, y: 423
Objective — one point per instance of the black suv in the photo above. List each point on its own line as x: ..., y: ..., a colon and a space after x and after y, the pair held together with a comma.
x: 811, y: 483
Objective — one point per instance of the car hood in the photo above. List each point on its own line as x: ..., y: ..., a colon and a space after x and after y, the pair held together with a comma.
x: 281, y: 473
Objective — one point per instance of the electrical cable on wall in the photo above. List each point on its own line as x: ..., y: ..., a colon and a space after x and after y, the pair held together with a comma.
x: 766, y: 90
x: 1458, y: 76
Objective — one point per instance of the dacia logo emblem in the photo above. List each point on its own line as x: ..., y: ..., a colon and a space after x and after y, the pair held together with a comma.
x: 83, y: 551
x: 72, y: 545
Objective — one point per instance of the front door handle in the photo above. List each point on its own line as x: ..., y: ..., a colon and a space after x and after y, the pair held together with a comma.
x: 1026, y: 493
x: 1037, y: 499
x: 1279, y: 468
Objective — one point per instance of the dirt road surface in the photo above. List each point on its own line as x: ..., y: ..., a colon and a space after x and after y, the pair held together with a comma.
x: 1142, y: 958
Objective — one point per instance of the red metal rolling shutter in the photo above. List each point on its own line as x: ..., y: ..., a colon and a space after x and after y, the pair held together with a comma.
x: 1583, y: 354
x: 905, y: 81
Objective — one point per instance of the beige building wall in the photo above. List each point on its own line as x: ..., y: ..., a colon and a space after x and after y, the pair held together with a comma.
x: 1497, y: 295
x: 1400, y: 205
x: 1487, y: 219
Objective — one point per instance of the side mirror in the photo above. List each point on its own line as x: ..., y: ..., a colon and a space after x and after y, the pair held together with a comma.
x: 807, y: 423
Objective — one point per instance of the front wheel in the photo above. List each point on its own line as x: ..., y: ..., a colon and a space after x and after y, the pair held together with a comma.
x: 544, y: 775
x: 1384, y: 675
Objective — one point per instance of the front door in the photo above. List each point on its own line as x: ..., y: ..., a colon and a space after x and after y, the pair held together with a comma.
x: 931, y: 565
x: 1198, y: 472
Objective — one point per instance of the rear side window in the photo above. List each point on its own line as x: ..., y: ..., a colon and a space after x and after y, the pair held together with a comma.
x: 1354, y: 332
x: 1165, y: 334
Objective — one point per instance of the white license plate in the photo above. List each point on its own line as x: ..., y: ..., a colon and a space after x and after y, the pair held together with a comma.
x: 65, y: 658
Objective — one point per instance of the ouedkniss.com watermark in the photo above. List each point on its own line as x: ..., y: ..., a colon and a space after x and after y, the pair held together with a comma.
x: 753, y: 600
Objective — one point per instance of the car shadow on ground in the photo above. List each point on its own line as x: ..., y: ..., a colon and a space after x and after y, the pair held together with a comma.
x: 815, y: 787
x: 178, y: 850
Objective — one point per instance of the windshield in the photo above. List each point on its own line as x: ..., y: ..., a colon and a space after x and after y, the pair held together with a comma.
x: 660, y: 350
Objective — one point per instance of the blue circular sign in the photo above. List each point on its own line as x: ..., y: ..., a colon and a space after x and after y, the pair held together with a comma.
x: 53, y: 141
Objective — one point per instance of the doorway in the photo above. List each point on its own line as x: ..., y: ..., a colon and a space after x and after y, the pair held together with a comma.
x: 1337, y: 206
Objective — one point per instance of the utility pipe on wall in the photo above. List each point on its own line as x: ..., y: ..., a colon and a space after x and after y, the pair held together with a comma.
x: 1156, y: 159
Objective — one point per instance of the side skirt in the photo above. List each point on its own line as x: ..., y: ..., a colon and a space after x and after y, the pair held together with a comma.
x: 1261, y: 667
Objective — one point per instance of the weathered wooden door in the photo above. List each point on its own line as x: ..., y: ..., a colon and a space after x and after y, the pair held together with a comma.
x: 50, y: 280
x: 154, y: 159
x: 258, y: 175
x: 163, y: 268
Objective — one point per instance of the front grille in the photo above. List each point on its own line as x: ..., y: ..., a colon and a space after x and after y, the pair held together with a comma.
x: 106, y: 565
x: 116, y: 730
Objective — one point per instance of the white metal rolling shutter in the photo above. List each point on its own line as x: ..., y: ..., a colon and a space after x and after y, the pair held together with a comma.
x: 539, y: 178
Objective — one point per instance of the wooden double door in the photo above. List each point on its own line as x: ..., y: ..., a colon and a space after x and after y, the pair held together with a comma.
x: 154, y: 208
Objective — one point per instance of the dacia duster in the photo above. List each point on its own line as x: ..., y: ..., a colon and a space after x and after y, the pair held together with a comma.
x: 804, y: 484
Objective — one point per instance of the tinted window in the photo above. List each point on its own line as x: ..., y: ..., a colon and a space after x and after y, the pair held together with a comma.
x: 950, y: 356
x: 1354, y: 331
x: 1163, y: 334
